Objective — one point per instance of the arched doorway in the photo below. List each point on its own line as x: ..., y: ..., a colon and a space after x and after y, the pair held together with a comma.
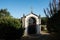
x: 32, y: 26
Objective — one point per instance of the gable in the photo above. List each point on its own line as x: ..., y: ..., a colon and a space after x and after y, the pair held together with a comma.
x: 32, y: 14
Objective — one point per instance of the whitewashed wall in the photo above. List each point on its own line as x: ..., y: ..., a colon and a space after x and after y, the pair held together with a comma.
x: 38, y: 21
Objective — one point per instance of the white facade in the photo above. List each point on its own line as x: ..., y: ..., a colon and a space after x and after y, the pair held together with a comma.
x: 25, y: 23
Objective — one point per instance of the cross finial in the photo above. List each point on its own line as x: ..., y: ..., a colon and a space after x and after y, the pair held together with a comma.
x: 31, y: 10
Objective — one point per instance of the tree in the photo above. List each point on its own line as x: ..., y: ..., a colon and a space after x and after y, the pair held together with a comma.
x: 43, y: 20
x: 10, y: 28
x: 4, y: 12
x: 53, y: 17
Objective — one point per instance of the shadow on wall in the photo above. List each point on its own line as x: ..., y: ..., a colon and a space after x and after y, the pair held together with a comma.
x: 33, y: 29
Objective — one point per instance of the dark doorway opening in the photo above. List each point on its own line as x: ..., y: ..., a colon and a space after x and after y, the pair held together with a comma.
x: 32, y: 26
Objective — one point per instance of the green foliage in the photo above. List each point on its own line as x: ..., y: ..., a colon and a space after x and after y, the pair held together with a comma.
x: 52, y: 9
x: 54, y: 23
x: 52, y: 14
x: 43, y: 20
x: 10, y: 28
x: 10, y: 22
x: 4, y: 12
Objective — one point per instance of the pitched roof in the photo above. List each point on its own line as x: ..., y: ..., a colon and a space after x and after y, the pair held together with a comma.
x: 33, y: 14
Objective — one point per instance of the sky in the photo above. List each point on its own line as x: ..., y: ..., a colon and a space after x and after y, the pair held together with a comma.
x: 19, y: 7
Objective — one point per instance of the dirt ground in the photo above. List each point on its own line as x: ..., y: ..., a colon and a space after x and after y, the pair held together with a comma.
x: 42, y: 36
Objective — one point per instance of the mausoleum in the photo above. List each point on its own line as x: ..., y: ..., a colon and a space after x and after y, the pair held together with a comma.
x: 31, y: 23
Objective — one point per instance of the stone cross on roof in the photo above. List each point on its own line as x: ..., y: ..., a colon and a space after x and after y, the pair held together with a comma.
x: 31, y: 9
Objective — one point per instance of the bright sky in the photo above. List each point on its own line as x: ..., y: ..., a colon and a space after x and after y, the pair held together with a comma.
x: 19, y: 7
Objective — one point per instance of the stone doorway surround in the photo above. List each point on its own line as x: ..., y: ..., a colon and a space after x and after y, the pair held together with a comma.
x: 32, y: 26
x: 25, y: 23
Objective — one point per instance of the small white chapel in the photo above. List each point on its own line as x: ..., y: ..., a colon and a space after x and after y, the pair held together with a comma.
x: 31, y: 23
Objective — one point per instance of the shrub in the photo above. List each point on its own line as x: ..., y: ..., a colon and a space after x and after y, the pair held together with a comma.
x: 10, y: 28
